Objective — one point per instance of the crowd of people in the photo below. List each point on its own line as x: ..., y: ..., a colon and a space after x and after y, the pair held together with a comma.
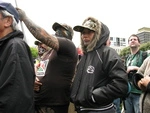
x: 93, y: 81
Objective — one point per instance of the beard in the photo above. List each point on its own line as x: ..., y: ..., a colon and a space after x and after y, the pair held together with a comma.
x: 86, y: 43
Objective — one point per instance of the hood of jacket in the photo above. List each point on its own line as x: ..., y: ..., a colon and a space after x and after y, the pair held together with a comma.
x: 13, y: 34
x: 101, y: 36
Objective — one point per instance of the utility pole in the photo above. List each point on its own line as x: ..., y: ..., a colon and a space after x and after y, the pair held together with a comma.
x: 22, y: 26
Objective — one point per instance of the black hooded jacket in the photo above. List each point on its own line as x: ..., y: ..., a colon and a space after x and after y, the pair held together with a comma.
x: 100, y: 73
x: 16, y: 75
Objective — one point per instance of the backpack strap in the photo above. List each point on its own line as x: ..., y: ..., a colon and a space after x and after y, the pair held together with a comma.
x: 144, y: 55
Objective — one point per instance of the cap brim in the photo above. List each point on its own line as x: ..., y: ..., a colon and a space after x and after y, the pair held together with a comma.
x: 57, y: 25
x: 37, y: 42
x: 80, y: 28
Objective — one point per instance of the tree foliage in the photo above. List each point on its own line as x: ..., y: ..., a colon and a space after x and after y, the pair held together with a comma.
x: 124, y: 51
x: 34, y: 52
x: 143, y: 47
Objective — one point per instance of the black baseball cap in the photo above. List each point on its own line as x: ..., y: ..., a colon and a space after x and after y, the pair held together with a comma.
x: 65, y: 26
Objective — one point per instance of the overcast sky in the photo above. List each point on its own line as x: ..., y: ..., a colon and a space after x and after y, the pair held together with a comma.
x: 123, y: 17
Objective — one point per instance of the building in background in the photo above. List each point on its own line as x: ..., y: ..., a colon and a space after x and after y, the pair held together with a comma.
x: 118, y: 43
x: 144, y: 34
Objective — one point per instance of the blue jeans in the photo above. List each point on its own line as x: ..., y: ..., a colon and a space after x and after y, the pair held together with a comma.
x: 132, y: 103
x: 117, y: 105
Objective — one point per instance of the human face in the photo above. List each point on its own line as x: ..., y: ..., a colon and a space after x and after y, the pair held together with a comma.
x: 42, y: 48
x: 133, y: 42
x: 2, y: 23
x: 5, y: 25
x: 87, y: 36
x: 61, y: 32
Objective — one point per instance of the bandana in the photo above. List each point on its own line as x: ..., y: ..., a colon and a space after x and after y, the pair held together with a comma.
x: 62, y: 33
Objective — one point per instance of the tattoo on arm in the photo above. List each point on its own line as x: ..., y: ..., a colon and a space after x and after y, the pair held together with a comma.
x: 40, y: 34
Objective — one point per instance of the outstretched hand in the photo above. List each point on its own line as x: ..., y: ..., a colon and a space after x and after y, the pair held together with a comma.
x: 21, y: 13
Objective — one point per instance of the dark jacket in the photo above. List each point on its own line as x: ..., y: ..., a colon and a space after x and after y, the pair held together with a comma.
x: 100, y: 73
x: 16, y: 75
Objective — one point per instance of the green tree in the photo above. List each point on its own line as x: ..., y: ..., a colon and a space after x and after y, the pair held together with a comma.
x: 125, y: 51
x: 34, y: 52
x: 145, y: 46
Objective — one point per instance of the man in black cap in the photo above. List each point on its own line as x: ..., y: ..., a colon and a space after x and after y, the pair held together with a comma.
x: 17, y: 74
x: 52, y: 92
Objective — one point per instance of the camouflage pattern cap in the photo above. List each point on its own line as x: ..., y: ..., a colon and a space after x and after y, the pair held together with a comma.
x: 89, y: 24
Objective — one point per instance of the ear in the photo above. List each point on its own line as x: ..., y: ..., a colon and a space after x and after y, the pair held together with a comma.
x: 8, y: 21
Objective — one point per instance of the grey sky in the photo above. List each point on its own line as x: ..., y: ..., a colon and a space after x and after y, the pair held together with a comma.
x: 123, y: 17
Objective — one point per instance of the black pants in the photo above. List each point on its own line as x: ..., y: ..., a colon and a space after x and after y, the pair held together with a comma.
x: 52, y: 109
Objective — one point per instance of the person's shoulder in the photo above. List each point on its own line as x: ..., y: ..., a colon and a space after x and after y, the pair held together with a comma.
x: 147, y: 59
x: 66, y: 42
x: 110, y: 50
x: 15, y: 41
x: 64, y: 39
x: 144, y: 54
x: 110, y: 53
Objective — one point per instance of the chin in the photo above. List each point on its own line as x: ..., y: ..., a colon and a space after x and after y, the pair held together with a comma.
x: 133, y: 46
x: 86, y: 43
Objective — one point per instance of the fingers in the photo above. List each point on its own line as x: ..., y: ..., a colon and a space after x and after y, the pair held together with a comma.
x: 144, y: 81
x: 17, y: 8
x: 37, y: 85
x: 37, y: 79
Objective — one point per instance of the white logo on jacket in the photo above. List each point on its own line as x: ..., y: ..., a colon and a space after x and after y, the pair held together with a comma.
x: 90, y: 69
